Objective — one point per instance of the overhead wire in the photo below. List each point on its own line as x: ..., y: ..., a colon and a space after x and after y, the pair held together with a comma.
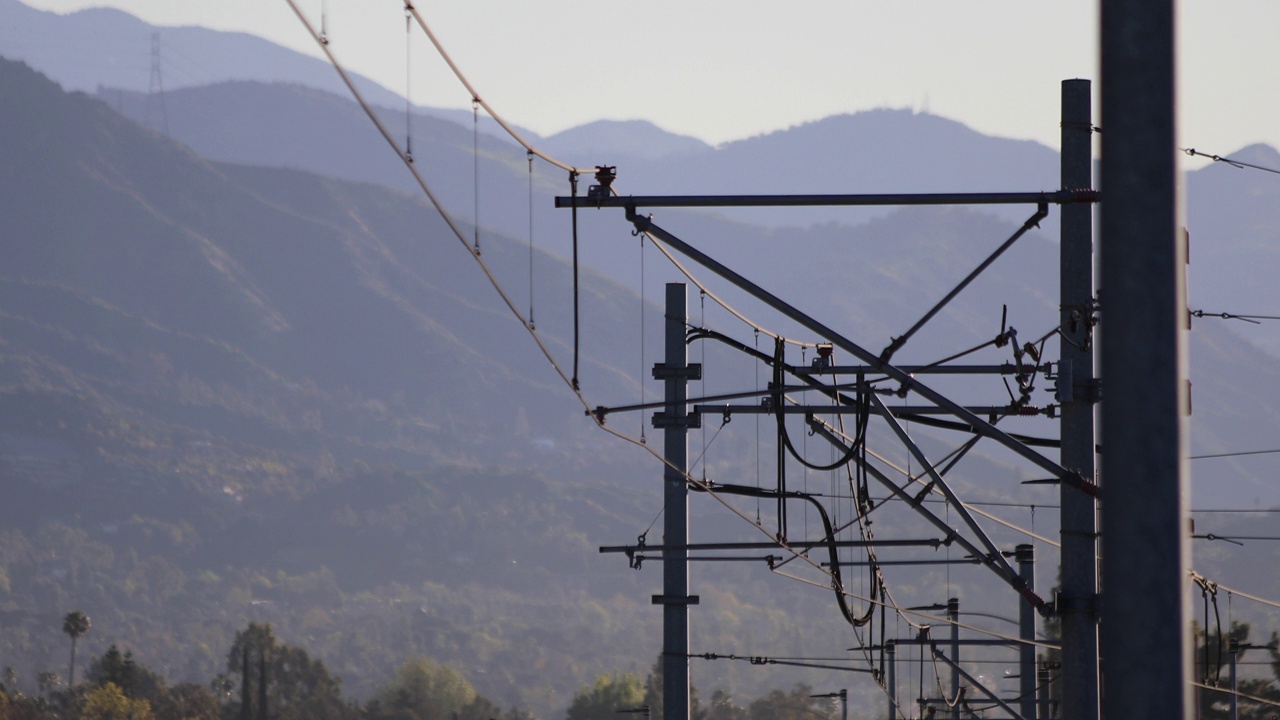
x: 475, y: 174
x: 1230, y: 161
x: 323, y: 40
x: 529, y: 156
x: 1232, y: 316
x: 1234, y: 454
x: 1196, y: 577
x: 477, y: 100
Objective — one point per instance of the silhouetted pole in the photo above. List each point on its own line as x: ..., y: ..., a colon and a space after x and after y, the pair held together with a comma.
x: 1077, y: 395
x: 1026, y: 556
x: 1144, y: 617
x: 891, y: 650
x: 1042, y: 682
x: 953, y: 615
x: 675, y: 421
x: 1234, y: 654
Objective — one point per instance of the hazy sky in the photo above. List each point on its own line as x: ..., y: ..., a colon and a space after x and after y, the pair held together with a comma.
x: 721, y: 70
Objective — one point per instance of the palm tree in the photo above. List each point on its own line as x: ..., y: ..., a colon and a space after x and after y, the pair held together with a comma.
x: 76, y: 624
x: 47, y: 681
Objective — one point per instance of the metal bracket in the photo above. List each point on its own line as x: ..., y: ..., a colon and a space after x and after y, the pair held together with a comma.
x: 1068, y: 605
x: 692, y: 371
x: 1068, y: 390
x: 664, y: 420
x: 669, y: 600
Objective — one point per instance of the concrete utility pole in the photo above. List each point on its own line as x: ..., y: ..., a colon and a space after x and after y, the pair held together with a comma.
x: 1144, y: 640
x: 1077, y: 394
x: 675, y: 421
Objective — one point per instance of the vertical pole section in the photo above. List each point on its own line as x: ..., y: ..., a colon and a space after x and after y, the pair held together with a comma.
x: 1042, y: 682
x: 1143, y: 624
x: 891, y: 649
x: 1026, y: 556
x: 1077, y: 600
x: 675, y: 565
x: 953, y: 614
x: 1235, y: 699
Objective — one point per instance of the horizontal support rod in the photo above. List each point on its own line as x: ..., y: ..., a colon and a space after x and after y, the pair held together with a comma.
x: 602, y: 411
x: 899, y: 411
x: 800, y: 545
x: 887, y: 563
x: 1002, y: 369
x: 1056, y: 197
x: 970, y: 641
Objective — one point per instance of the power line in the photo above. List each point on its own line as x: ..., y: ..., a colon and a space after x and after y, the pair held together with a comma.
x: 1234, y: 454
x: 1232, y: 316
x: 1230, y: 161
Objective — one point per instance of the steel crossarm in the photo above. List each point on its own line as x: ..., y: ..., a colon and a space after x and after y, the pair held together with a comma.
x: 982, y: 427
x: 995, y: 560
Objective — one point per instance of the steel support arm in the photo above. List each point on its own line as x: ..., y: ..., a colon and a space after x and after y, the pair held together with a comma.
x: 1057, y: 197
x: 644, y: 224
x: 984, y: 556
x: 999, y: 564
x: 973, y: 682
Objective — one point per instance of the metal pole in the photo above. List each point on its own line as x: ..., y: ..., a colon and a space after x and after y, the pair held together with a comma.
x: 675, y: 568
x: 891, y: 650
x: 1144, y: 621
x: 1077, y: 394
x: 1042, y: 682
x: 1235, y: 709
x: 1026, y: 555
x: 953, y: 616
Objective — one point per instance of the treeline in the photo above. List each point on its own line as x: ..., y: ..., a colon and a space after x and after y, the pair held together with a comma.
x: 614, y: 696
x: 264, y: 678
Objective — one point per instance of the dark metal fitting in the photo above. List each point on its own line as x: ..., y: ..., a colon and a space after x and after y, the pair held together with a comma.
x: 663, y: 420
x: 1069, y: 605
x: 675, y: 600
x: 692, y: 371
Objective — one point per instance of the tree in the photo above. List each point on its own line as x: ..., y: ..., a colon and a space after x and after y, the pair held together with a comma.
x: 1211, y: 668
x: 76, y: 625
x: 794, y: 705
x: 602, y: 699
x: 187, y: 701
x: 723, y: 707
x: 47, y: 681
x: 653, y: 695
x: 288, y: 683
x: 426, y: 690
x: 108, y: 702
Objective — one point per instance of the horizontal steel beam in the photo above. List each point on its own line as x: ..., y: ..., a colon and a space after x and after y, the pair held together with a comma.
x: 1001, y: 369
x: 897, y: 411
x: 1057, y: 197
x: 800, y: 545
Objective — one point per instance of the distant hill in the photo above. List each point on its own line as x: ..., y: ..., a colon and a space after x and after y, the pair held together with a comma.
x: 250, y: 376
x: 108, y: 48
x: 104, y: 47
x: 615, y: 142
